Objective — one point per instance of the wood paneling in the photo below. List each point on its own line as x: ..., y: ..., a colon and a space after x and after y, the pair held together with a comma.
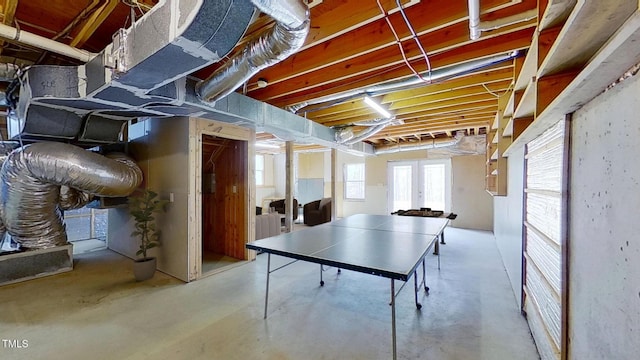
x: 223, y: 211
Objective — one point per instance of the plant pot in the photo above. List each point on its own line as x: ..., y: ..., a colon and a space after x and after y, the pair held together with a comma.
x: 143, y: 269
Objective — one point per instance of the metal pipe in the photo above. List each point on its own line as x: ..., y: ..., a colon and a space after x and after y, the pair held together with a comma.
x: 474, y: 19
x: 269, y: 48
x: 422, y: 145
x: 366, y: 133
x: 43, y: 43
x: 476, y: 27
x: 436, y: 75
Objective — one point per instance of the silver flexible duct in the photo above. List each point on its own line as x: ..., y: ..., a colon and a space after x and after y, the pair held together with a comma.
x: 269, y: 48
x: 31, y: 181
x: 436, y: 75
x: 346, y: 136
x: 71, y: 198
x: 422, y: 145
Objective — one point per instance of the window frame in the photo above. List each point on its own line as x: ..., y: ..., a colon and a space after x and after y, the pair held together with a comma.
x: 347, y: 181
x: 259, y: 171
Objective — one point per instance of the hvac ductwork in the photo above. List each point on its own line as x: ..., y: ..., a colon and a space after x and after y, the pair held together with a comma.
x: 346, y: 136
x: 31, y: 198
x: 384, y: 88
x: 144, y: 72
x: 269, y: 48
x: 421, y: 145
x: 460, y: 145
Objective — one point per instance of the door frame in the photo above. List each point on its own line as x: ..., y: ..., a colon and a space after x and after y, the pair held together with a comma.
x: 417, y: 181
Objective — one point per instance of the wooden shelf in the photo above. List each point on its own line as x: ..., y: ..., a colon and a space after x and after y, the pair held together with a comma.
x: 508, y: 128
x: 526, y: 105
x: 529, y: 67
x: 561, y: 87
x: 497, y: 143
x: 587, y: 28
x: 555, y: 13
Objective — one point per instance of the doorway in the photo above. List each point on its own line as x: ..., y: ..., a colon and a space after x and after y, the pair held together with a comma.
x: 224, y: 195
x: 419, y: 184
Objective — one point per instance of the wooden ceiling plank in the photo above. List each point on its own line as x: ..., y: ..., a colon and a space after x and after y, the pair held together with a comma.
x: 93, y: 23
x: 299, y: 90
x: 498, y: 78
x: 8, y: 14
x: 403, y: 132
x: 487, y: 76
x: 460, y: 94
x: 439, y: 124
x: 430, y: 112
x: 384, y: 58
x: 427, y: 18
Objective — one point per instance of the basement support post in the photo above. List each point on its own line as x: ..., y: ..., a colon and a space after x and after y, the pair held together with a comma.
x: 334, y: 172
x: 288, y: 202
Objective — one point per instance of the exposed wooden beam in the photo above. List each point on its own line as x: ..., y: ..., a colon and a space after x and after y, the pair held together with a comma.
x: 93, y: 22
x: 302, y: 89
x: 8, y: 12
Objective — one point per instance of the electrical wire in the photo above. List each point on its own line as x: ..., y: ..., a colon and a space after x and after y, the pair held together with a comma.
x: 415, y: 36
x: 399, y: 43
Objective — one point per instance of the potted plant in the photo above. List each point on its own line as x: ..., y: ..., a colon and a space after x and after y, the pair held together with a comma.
x: 143, y: 207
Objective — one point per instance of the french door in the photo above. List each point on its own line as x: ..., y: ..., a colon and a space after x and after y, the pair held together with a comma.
x: 419, y: 184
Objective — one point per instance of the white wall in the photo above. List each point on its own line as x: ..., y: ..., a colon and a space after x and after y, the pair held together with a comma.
x: 469, y: 199
x: 604, y: 250
x: 507, y: 225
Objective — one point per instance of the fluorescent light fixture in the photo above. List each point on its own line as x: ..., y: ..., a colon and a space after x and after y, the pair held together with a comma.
x: 375, y: 106
x: 265, y: 145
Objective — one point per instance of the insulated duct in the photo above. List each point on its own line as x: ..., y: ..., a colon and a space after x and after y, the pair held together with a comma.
x: 144, y: 73
x: 31, y: 198
x: 384, y: 88
x: 269, y: 48
x: 414, y: 146
x: 346, y: 136
x: 460, y: 145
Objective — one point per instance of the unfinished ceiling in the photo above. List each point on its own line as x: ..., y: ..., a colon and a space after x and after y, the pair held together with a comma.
x: 352, y: 46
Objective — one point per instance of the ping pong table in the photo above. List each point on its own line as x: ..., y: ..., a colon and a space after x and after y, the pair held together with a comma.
x: 389, y: 246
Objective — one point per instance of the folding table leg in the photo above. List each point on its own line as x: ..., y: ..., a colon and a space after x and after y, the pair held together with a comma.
x: 266, y: 294
x: 424, y: 274
x: 415, y: 289
x: 393, y: 318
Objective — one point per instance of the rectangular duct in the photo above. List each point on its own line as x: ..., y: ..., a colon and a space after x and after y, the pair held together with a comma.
x: 101, y: 129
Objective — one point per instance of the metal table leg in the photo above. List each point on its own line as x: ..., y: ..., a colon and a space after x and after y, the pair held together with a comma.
x: 266, y: 294
x: 393, y: 317
x: 442, y: 238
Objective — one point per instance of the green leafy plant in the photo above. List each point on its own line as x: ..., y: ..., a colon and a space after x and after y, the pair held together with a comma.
x: 143, y: 207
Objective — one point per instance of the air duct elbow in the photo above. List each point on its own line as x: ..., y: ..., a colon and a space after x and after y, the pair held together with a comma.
x: 31, y: 179
x: 269, y: 48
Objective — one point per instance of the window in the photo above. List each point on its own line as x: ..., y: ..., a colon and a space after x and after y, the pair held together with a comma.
x: 354, y: 181
x: 259, y: 170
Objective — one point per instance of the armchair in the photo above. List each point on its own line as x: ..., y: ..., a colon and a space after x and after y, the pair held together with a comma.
x: 317, y: 212
x: 279, y: 206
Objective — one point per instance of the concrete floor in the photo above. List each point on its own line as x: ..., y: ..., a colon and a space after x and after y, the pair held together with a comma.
x: 98, y: 311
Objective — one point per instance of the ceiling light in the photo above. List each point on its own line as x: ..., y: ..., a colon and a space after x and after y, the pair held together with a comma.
x: 375, y: 106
